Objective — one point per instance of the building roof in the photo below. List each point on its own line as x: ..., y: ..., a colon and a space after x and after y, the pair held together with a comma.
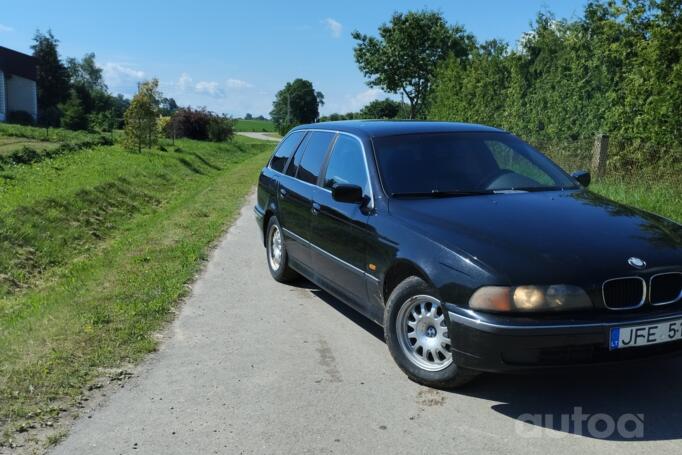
x: 377, y: 128
x: 13, y: 62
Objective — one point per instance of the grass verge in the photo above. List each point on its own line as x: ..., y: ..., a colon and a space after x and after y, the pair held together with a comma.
x: 109, y: 239
x: 662, y: 197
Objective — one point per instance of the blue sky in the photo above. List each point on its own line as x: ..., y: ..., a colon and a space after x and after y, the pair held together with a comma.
x: 233, y: 56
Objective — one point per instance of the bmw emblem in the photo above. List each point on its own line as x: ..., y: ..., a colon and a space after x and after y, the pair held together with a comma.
x: 636, y: 263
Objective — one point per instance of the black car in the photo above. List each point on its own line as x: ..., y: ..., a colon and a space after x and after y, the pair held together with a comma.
x: 474, y: 251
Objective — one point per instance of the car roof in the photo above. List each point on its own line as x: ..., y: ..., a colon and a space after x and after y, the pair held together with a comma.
x: 378, y: 128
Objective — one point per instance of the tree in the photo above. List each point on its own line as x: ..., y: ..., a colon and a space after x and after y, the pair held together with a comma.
x: 220, y: 128
x: 74, y: 116
x: 141, y: 118
x: 168, y: 106
x: 405, y: 56
x: 248, y: 116
x: 53, y: 77
x: 86, y: 73
x: 296, y: 103
x: 381, y: 109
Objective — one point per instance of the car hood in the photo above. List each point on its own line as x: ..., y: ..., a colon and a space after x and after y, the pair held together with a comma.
x: 546, y: 237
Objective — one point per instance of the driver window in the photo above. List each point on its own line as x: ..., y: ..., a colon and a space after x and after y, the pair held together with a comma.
x: 509, y: 160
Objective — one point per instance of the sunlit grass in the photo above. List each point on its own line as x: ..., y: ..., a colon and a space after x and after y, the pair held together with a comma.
x: 96, y: 248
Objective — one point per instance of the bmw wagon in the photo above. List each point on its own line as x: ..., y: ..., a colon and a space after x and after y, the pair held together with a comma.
x: 474, y: 251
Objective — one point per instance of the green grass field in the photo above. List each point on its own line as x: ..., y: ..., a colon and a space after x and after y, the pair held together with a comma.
x: 255, y: 125
x: 96, y: 248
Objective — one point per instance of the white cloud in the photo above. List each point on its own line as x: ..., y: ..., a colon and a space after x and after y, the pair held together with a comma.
x: 6, y: 28
x: 354, y: 102
x: 334, y: 27
x: 184, y: 82
x: 211, y: 88
x: 121, y: 76
x: 359, y: 100
x: 237, y: 84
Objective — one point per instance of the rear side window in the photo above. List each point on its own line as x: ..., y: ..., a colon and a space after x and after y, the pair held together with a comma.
x: 313, y: 157
x: 292, y: 169
x: 285, y: 150
x: 346, y: 165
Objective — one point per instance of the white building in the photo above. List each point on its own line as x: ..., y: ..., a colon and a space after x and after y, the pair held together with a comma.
x: 18, y: 73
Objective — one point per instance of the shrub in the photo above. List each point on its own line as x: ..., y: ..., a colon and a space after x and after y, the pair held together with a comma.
x: 74, y: 116
x: 25, y: 155
x: 220, y: 128
x: 191, y: 123
x: 20, y: 118
x: 199, y: 124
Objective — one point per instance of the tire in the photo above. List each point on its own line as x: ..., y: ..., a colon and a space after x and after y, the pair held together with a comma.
x: 414, y: 317
x: 278, y: 263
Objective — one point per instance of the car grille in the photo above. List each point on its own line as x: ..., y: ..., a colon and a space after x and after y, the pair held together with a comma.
x: 624, y: 293
x: 665, y: 288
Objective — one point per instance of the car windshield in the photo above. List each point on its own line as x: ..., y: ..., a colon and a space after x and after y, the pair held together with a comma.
x: 450, y: 164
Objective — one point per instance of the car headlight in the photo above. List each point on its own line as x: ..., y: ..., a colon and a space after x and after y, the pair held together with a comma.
x: 557, y: 297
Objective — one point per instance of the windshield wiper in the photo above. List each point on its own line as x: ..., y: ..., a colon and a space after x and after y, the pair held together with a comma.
x: 438, y: 193
x: 531, y: 189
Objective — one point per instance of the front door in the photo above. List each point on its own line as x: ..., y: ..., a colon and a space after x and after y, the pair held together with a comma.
x: 340, y: 230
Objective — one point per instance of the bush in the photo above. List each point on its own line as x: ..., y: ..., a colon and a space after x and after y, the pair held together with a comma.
x: 20, y: 118
x: 220, y: 129
x: 199, y: 124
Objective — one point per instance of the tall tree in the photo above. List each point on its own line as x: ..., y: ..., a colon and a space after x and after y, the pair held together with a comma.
x: 405, y: 56
x: 86, y: 72
x: 53, y: 77
x: 296, y: 103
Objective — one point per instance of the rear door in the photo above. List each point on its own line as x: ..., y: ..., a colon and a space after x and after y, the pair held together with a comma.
x: 295, y: 195
x: 339, y: 230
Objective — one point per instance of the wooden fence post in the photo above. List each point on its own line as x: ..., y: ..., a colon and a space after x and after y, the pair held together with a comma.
x: 600, y: 154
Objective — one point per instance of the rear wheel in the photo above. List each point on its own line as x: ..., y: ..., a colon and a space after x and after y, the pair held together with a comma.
x: 278, y: 260
x: 417, y: 336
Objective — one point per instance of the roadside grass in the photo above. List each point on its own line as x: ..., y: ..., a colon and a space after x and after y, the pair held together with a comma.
x: 660, y: 196
x: 96, y: 248
x: 254, y: 125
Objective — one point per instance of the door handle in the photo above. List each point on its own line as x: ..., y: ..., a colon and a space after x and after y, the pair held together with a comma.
x: 283, y: 192
x: 315, y: 209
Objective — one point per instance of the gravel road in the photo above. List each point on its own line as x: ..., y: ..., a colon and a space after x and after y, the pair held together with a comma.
x: 261, y: 136
x: 252, y: 366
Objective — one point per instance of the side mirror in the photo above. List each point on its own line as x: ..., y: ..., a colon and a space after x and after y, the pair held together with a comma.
x: 583, y: 177
x: 351, y: 194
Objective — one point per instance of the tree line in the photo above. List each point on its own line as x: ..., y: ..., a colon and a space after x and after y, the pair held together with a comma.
x: 72, y: 94
x: 615, y: 70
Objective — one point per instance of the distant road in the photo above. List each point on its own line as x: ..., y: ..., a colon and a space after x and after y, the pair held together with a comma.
x: 261, y: 136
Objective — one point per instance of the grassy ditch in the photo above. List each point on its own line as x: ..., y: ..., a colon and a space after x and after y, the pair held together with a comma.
x: 96, y: 247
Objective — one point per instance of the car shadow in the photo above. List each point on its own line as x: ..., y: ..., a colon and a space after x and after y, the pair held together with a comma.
x: 358, y: 318
x: 631, y: 401
x: 635, y: 401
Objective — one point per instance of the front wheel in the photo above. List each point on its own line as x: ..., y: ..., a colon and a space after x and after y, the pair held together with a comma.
x: 417, y: 336
x: 278, y: 260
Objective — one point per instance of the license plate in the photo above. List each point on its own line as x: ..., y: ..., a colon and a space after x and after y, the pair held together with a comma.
x: 645, y: 335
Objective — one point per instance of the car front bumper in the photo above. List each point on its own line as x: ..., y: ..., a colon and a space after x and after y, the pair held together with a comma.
x: 492, y: 343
